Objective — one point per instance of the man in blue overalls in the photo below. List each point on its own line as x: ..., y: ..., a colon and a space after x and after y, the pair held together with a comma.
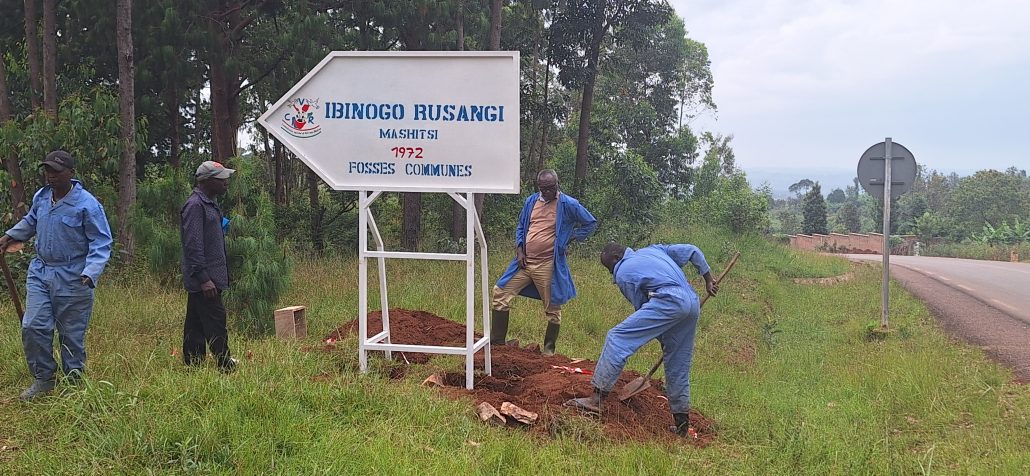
x: 73, y: 244
x: 667, y: 309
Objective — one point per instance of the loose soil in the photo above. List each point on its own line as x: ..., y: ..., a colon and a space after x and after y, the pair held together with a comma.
x: 525, y: 377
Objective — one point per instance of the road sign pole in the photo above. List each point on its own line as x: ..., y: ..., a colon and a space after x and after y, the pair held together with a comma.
x: 887, y: 166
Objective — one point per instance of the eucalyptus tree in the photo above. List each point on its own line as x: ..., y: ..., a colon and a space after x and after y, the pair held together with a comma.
x: 50, y: 57
x: 34, y: 57
x: 127, y: 115
x: 646, y: 83
x: 582, y: 35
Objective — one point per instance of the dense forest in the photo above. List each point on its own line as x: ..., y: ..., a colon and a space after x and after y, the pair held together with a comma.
x: 143, y: 91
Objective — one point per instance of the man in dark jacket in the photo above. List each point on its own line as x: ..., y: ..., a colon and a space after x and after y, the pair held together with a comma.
x: 205, y: 270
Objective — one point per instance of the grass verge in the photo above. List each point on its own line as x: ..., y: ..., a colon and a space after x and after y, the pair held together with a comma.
x: 785, y: 370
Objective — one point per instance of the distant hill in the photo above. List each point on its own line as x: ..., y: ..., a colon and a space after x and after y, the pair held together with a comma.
x: 781, y: 178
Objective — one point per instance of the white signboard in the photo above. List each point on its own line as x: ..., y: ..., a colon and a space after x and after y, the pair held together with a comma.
x: 413, y: 121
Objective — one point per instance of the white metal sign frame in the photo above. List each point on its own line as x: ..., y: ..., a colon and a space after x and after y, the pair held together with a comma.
x: 500, y: 171
x: 381, y: 341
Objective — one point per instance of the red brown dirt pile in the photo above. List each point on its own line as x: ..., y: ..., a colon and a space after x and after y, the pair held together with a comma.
x: 524, y: 377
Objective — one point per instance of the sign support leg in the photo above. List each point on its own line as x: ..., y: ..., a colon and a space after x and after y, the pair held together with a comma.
x: 470, y: 289
x: 362, y: 280
x: 887, y: 166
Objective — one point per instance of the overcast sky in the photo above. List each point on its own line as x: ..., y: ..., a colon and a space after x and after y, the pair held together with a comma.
x: 810, y: 84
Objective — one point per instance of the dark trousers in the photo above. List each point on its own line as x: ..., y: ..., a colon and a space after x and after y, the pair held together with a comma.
x: 205, y: 327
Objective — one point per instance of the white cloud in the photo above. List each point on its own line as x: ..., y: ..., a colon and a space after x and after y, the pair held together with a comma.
x: 786, y: 69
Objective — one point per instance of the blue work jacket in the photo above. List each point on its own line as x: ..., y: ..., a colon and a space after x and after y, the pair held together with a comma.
x: 649, y: 269
x: 572, y: 220
x: 72, y: 236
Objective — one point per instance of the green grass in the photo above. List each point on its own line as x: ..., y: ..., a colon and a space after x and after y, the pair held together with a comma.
x: 784, y: 370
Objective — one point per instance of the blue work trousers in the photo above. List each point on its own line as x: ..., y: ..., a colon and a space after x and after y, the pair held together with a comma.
x: 670, y: 315
x: 56, y: 299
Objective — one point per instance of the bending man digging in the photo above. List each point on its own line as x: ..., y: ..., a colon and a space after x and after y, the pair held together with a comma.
x: 666, y: 309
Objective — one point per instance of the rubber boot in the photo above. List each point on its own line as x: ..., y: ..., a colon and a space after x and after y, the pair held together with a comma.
x: 498, y: 327
x: 228, y: 365
x: 682, y: 426
x: 74, y: 378
x: 550, y: 338
x: 38, y: 389
x: 591, y: 404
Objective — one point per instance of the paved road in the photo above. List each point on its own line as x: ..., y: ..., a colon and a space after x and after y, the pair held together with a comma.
x: 984, y: 302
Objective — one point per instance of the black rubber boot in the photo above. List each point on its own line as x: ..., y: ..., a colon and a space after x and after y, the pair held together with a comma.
x: 591, y: 404
x: 550, y: 338
x: 498, y: 327
x: 682, y: 424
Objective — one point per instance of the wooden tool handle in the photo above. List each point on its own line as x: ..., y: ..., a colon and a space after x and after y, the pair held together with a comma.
x: 718, y: 280
x: 729, y: 266
x: 10, y: 287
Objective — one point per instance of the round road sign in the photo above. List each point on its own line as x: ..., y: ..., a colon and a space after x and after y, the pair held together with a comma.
x: 871, y: 169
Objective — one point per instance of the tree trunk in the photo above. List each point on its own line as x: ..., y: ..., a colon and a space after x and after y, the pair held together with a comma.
x: 32, y: 48
x: 546, y: 126
x: 495, y: 24
x: 225, y: 82
x: 411, y: 233
x: 222, y: 133
x: 279, y: 173
x: 458, y: 211
x: 534, y: 82
x: 127, y: 114
x: 50, y: 57
x: 10, y: 162
x: 494, y: 44
x: 316, y: 212
x: 460, y: 21
x: 175, y: 150
x: 269, y: 163
x: 583, y: 140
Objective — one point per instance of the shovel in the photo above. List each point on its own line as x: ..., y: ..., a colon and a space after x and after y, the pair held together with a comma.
x: 640, y: 384
x: 10, y: 281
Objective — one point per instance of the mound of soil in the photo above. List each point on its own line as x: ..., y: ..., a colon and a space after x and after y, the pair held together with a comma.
x: 526, y: 378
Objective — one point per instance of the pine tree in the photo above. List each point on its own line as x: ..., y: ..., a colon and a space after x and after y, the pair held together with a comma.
x: 848, y: 215
x: 814, y: 210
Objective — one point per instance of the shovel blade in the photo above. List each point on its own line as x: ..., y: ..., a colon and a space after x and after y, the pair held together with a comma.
x: 635, y: 386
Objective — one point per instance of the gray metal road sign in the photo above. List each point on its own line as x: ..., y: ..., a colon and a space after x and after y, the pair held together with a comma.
x: 871, y: 169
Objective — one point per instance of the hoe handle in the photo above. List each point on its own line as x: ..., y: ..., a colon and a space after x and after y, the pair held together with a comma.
x: 10, y: 286
x: 733, y: 261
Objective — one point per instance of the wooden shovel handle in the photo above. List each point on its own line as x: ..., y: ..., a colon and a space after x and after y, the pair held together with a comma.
x: 10, y: 286
x: 733, y: 261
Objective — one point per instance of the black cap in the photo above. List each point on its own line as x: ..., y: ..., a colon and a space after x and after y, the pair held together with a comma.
x: 59, y: 160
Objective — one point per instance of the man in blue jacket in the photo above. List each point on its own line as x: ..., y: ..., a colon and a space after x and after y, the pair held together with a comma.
x: 666, y: 309
x: 73, y: 244
x: 547, y: 224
